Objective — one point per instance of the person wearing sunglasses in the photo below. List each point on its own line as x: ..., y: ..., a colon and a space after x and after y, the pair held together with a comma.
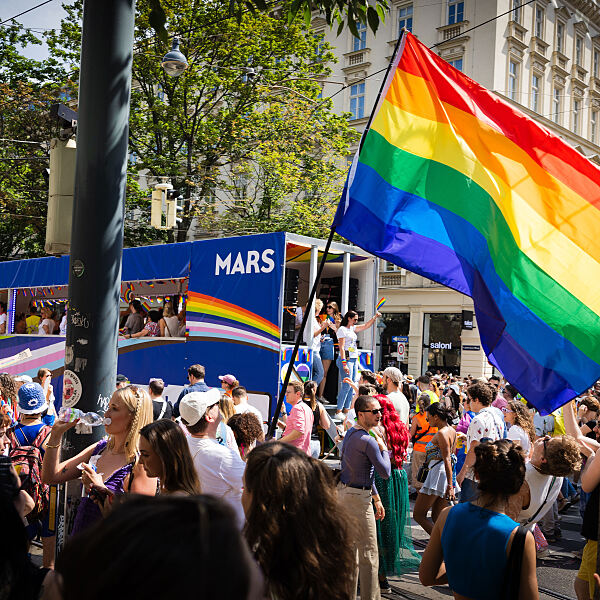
x: 364, y: 452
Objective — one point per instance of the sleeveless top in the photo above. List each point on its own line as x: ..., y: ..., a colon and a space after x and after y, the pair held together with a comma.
x: 87, y: 511
x: 425, y: 438
x: 481, y: 535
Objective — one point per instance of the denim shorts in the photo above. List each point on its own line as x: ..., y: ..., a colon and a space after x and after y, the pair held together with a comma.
x: 327, y: 352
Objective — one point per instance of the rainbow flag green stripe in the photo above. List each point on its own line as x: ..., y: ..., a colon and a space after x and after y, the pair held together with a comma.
x: 457, y: 185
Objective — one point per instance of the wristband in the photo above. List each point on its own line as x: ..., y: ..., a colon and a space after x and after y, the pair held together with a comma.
x: 53, y: 445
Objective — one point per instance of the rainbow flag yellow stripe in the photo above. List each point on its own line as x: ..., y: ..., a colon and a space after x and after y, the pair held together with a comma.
x: 458, y: 185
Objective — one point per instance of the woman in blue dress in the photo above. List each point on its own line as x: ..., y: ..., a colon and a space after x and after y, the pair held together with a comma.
x: 470, y: 542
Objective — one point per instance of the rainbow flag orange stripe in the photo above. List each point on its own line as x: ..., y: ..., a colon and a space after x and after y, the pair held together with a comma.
x: 201, y: 303
x: 456, y: 184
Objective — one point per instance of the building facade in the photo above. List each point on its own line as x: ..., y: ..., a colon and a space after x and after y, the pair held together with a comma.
x: 543, y: 57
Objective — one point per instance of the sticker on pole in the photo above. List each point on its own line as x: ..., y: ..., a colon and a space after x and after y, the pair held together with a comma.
x: 71, y: 389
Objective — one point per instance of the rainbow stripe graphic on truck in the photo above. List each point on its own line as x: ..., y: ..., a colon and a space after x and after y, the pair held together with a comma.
x: 211, y: 318
x: 456, y: 184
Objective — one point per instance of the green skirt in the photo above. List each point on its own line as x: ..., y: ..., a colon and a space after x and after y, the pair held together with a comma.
x: 394, y: 540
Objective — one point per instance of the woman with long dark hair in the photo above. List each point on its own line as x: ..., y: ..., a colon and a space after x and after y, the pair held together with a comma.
x: 470, y: 542
x: 164, y: 453
x: 347, y: 360
x: 296, y: 526
x: 439, y: 486
x: 396, y: 552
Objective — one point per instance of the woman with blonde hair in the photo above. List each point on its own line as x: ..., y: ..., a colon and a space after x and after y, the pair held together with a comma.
x: 109, y: 467
x: 169, y: 324
x: 520, y: 421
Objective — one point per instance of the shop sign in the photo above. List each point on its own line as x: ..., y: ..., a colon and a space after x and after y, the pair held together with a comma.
x: 471, y: 347
x: 441, y: 345
x: 467, y: 319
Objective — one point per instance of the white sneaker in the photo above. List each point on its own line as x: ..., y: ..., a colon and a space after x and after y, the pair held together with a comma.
x: 339, y: 415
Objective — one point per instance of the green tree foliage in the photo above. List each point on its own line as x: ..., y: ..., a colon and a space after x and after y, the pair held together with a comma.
x: 243, y: 134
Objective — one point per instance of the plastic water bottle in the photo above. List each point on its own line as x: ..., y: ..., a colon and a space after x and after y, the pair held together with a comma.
x: 68, y: 415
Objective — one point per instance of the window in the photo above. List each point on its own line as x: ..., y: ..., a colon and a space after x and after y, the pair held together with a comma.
x: 388, y: 266
x: 576, y: 115
x: 357, y: 100
x: 594, y: 126
x: 360, y: 42
x: 560, y: 36
x: 513, y: 79
x: 457, y: 63
x: 539, y: 22
x: 556, y: 105
x: 579, y: 51
x: 405, y: 17
x: 596, y: 65
x: 455, y: 12
x: 516, y: 11
x: 535, y: 93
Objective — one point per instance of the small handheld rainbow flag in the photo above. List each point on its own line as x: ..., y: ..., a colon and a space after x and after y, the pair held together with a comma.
x: 380, y: 304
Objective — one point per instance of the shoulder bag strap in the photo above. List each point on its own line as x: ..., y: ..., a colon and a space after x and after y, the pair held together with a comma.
x: 537, y: 512
x: 168, y: 328
x: 512, y: 578
x: 163, y: 409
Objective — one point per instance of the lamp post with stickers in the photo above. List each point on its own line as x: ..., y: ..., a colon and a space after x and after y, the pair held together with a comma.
x: 98, y: 213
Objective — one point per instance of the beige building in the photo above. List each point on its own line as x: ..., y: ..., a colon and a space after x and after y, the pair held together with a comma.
x: 543, y: 57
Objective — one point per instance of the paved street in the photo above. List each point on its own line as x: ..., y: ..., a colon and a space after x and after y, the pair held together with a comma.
x: 555, y: 573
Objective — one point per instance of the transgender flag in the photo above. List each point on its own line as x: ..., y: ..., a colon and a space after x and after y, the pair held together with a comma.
x: 455, y: 184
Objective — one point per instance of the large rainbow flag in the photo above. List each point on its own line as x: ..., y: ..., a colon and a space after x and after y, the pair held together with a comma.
x: 457, y: 185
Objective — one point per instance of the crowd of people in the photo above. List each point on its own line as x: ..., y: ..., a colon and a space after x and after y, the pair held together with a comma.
x: 192, y: 495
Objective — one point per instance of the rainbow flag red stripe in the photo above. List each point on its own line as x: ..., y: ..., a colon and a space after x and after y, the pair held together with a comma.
x: 456, y: 184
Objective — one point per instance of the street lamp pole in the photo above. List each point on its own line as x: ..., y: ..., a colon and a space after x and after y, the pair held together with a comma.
x: 98, y: 211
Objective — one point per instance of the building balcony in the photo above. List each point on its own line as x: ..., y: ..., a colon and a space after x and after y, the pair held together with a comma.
x: 560, y: 63
x: 538, y: 50
x: 515, y: 34
x: 595, y: 86
x: 448, y: 32
x: 579, y: 74
x: 357, y: 59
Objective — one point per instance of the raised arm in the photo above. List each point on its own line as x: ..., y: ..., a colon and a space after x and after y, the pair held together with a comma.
x: 571, y: 427
x: 54, y: 471
x: 368, y: 324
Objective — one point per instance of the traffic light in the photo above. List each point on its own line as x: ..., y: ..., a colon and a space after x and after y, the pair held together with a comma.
x: 167, y: 203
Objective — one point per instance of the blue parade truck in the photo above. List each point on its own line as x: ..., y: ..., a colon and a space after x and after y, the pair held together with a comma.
x: 237, y: 297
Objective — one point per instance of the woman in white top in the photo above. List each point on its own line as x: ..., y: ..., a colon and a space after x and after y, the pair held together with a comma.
x: 169, y: 324
x: 520, y: 423
x: 347, y: 360
x: 46, y: 326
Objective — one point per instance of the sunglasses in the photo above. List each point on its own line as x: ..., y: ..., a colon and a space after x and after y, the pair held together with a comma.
x: 375, y: 411
x: 506, y: 410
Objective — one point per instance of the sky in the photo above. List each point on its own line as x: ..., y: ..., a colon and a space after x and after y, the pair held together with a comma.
x: 45, y: 17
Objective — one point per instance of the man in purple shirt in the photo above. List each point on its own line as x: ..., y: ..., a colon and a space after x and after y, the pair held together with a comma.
x: 364, y: 452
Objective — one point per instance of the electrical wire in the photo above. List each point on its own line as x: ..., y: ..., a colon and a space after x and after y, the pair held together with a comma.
x: 26, y: 11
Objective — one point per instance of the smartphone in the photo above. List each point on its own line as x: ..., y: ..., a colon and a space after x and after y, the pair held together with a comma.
x: 98, y: 494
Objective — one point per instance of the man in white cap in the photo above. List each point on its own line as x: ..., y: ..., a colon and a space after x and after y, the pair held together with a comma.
x: 392, y: 378
x: 220, y: 470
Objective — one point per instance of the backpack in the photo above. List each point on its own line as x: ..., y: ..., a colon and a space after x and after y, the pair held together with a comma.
x: 27, y: 461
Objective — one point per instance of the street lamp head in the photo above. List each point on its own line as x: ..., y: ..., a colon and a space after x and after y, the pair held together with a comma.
x: 174, y: 62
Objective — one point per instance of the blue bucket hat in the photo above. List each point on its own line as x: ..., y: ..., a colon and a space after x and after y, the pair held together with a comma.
x: 32, y: 399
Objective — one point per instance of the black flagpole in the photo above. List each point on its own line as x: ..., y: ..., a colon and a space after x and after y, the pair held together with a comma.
x: 313, y: 291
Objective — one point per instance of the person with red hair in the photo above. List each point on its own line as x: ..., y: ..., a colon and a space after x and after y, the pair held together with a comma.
x: 396, y: 552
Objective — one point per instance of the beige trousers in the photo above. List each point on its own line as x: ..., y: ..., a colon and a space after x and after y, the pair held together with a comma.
x: 364, y: 540
x: 416, y: 462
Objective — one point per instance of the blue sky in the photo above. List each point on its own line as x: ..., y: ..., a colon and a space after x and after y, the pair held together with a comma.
x: 45, y: 17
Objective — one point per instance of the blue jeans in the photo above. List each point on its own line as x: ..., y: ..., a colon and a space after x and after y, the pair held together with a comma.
x: 344, y: 399
x: 468, y: 490
x: 317, y: 368
x: 567, y: 488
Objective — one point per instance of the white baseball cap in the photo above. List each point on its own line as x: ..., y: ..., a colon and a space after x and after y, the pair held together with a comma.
x: 193, y: 406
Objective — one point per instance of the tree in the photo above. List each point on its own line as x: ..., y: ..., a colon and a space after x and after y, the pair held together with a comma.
x: 243, y: 133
